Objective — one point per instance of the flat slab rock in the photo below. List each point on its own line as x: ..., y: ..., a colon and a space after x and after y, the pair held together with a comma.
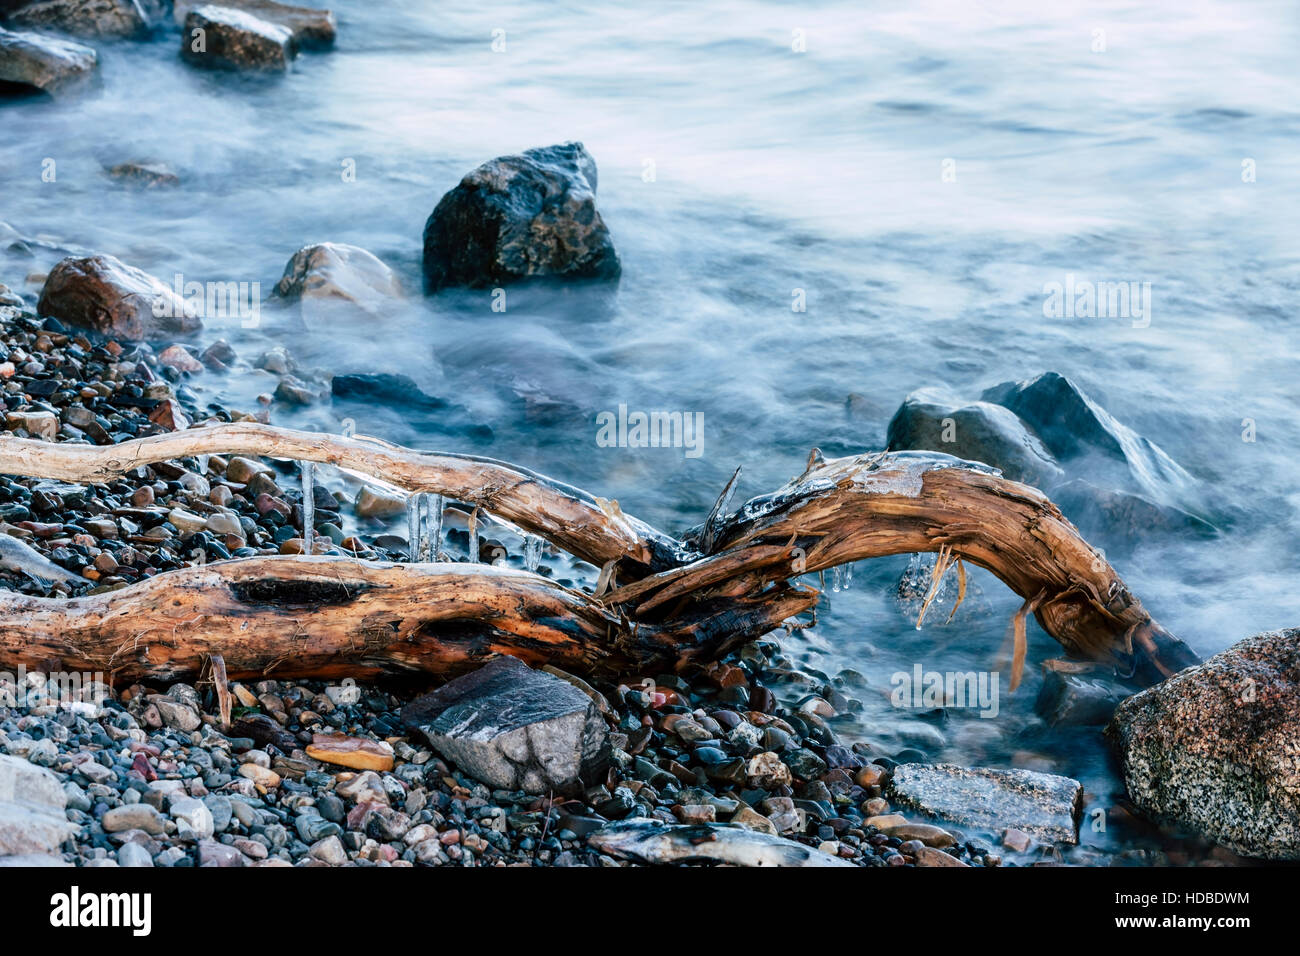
x: 514, y: 728
x: 222, y: 38
x: 32, y: 820
x: 43, y: 63
x: 1042, y: 804
x: 310, y: 27
x: 1216, y: 748
x: 87, y: 18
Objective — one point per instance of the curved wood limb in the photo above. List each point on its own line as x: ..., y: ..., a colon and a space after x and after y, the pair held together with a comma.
x: 335, y: 617
x: 836, y: 512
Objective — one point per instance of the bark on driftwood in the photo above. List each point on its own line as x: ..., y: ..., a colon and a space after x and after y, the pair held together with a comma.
x: 672, y: 601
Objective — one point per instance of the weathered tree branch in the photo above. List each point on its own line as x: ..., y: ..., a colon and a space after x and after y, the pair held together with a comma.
x: 337, y: 617
x: 330, y: 617
x: 589, y: 528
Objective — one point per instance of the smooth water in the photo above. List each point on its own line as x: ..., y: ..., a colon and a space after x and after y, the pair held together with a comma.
x: 735, y: 170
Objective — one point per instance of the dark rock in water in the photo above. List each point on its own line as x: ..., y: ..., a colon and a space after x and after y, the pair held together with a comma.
x: 1216, y: 748
x: 1073, y: 426
x: 930, y: 419
x: 334, y: 273
x: 1123, y: 517
x: 311, y: 28
x: 1077, y: 700
x: 104, y: 295
x: 516, y: 217
x: 87, y: 18
x: 146, y: 175
x: 514, y: 728
x: 401, y: 393
x: 1043, y: 804
x: 385, y: 388
x: 220, y: 38
x: 30, y: 62
x: 264, y: 731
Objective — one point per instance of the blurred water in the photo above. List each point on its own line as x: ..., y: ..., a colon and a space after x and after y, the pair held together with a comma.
x: 774, y: 170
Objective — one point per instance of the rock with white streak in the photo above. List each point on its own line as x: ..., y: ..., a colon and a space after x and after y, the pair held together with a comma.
x: 43, y: 64
x: 514, y: 728
x: 1043, y: 804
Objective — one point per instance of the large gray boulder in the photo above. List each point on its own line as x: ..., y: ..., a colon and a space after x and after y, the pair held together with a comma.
x: 104, y: 295
x: 222, y: 38
x: 41, y: 64
x: 517, y: 217
x: 87, y: 18
x: 1044, y: 805
x: 514, y: 728
x: 930, y: 419
x: 32, y: 801
x: 311, y: 28
x: 1216, y: 748
x: 1074, y: 427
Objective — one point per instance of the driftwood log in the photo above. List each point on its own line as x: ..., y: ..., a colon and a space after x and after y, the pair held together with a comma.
x: 662, y: 603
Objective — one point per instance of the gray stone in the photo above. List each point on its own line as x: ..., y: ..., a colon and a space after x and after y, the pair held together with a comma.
x: 1077, y: 699
x: 104, y: 295
x: 517, y: 217
x: 1216, y: 748
x: 177, y: 714
x: 193, y: 819
x: 85, y: 18
x: 980, y: 431
x: 222, y: 38
x: 212, y: 853
x: 133, y: 855
x: 514, y: 728
x: 134, y: 816
x: 311, y: 28
x: 27, y: 860
x: 32, y: 820
x: 329, y: 851
x: 1075, y: 428
x: 1043, y: 804
x: 222, y: 809
x: 43, y: 64
x: 336, y: 280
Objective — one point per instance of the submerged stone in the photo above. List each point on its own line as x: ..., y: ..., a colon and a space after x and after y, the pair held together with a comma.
x: 930, y: 419
x: 1043, y: 804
